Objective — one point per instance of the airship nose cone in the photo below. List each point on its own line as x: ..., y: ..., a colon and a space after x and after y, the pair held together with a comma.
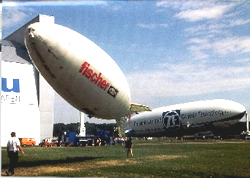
x: 36, y: 30
x: 31, y: 30
x: 234, y: 108
x: 238, y: 108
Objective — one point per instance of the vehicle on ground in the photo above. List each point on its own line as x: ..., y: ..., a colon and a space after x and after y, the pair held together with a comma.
x: 47, y: 142
x: 118, y: 141
x: 204, y: 135
x: 27, y: 142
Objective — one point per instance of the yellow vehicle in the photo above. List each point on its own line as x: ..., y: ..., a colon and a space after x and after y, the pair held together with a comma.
x: 27, y: 141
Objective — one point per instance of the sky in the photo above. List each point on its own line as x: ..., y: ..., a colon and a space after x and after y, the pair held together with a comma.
x: 171, y: 52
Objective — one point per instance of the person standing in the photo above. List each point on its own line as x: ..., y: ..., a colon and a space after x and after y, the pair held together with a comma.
x: 13, y: 146
x: 129, y: 146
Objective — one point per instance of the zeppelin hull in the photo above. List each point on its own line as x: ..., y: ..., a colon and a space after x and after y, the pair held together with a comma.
x: 188, y: 118
x: 78, y: 70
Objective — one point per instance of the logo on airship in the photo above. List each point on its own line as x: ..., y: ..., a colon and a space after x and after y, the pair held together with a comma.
x: 171, y: 120
x: 93, y: 76
x: 112, y: 91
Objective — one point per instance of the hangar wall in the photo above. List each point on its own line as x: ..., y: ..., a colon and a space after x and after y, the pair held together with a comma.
x: 19, y: 107
x: 29, y: 119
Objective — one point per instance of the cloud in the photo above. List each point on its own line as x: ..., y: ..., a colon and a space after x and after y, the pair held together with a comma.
x: 15, y: 15
x: 193, y: 5
x: 197, y: 40
x: 204, y: 47
x: 237, y: 22
x: 203, y: 13
x: 148, y: 26
x: 221, y: 28
x: 186, y: 79
x: 163, y: 25
x: 229, y: 45
x: 209, y: 36
x: 210, y: 29
x: 243, y: 60
x: 152, y: 26
x: 197, y: 10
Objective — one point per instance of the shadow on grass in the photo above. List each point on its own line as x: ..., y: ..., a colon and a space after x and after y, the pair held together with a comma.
x: 51, y: 162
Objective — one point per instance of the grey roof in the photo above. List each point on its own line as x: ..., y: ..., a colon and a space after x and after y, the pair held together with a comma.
x: 14, y: 52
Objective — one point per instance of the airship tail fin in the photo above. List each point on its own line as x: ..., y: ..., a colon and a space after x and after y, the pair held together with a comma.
x: 121, y: 122
x: 139, y: 107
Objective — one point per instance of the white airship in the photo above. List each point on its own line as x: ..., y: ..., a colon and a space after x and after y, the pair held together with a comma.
x: 185, y: 119
x: 80, y: 71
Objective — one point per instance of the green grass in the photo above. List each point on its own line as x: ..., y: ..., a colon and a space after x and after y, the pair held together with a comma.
x: 152, y: 159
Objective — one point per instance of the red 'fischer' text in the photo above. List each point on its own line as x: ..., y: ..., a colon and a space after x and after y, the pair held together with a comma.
x: 94, y: 77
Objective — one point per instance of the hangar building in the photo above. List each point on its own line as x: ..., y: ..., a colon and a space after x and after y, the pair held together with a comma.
x: 27, y: 100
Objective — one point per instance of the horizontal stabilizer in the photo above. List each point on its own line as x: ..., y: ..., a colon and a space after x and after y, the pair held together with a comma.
x: 139, y: 107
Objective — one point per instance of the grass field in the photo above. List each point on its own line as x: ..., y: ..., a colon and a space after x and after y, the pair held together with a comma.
x: 153, y: 158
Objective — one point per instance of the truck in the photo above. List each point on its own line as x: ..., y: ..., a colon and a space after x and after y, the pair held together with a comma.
x: 67, y: 138
x: 104, y: 135
x: 204, y: 135
x: 71, y: 139
x: 27, y: 142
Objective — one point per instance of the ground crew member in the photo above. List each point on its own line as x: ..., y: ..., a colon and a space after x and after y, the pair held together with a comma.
x: 128, y: 146
x: 13, y: 146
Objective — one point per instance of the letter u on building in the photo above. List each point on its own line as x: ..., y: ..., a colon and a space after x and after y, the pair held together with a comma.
x: 15, y: 87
